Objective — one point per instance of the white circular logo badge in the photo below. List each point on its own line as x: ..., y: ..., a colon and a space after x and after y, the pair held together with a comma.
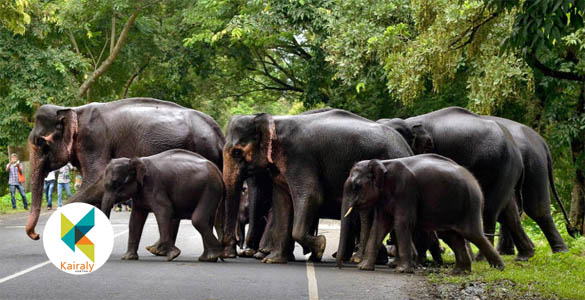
x: 78, y: 238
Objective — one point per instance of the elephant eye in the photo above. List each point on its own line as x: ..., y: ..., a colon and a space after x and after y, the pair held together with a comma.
x: 237, y: 153
x: 356, y: 187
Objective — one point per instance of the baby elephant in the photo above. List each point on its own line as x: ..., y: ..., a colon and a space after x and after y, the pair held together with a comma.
x: 175, y: 185
x: 424, y: 192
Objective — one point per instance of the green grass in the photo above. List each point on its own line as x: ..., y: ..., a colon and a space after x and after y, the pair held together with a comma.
x: 6, y: 204
x: 546, y: 275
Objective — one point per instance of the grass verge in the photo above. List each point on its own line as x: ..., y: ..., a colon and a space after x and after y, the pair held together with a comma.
x: 545, y: 276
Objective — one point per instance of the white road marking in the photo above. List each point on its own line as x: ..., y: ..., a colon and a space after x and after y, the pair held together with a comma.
x: 14, y: 227
x: 24, y: 271
x: 312, y: 280
x: 18, y: 274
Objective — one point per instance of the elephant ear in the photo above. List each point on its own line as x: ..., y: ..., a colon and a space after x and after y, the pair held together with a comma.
x: 379, y: 172
x: 139, y: 169
x: 67, y: 118
x: 265, y: 126
x: 422, y: 143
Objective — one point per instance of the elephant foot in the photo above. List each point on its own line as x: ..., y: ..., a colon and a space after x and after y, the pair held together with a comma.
x: 260, y: 255
x: 365, y: 266
x: 154, y: 249
x: 248, y: 252
x: 229, y: 252
x: 506, y: 251
x: 275, y: 259
x: 561, y: 249
x: 524, y: 256
x: 355, y: 258
x: 130, y: 256
x: 210, y: 256
x: 265, y: 250
x: 405, y: 269
x: 317, y: 255
x: 173, y: 253
x: 461, y: 270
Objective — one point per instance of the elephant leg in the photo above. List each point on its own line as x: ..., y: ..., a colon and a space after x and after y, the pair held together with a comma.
x: 156, y: 248
x: 203, y: 219
x: 306, y: 207
x: 489, y: 228
x: 282, y: 209
x: 164, y: 220
x: 260, y: 190
x: 435, y: 248
x: 537, y: 207
x: 366, y: 217
x: 511, y: 219
x: 474, y: 234
x: 404, y: 259
x: 462, y: 258
x: 505, y: 241
x: 266, y: 243
x: 137, y: 220
x: 547, y: 225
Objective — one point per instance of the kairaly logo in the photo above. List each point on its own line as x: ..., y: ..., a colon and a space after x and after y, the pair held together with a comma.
x: 78, y: 238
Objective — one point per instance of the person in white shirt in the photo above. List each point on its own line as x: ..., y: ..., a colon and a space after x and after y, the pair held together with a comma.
x: 63, y: 182
x: 49, y: 186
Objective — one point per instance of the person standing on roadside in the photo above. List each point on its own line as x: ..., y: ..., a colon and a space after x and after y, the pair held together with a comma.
x: 49, y: 186
x: 63, y: 182
x: 16, y: 180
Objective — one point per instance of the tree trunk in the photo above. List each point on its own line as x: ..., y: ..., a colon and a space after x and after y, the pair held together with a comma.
x: 577, y: 148
x: 110, y: 60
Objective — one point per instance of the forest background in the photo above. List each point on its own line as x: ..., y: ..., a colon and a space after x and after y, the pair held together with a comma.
x: 522, y: 60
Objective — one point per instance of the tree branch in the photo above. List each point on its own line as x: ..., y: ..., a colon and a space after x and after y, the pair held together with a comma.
x: 533, y: 61
x: 73, y: 41
x: 110, y: 60
x: 131, y: 79
x: 113, y: 33
x: 473, y: 30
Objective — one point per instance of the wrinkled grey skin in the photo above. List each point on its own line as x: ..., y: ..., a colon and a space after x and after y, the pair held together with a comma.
x: 89, y: 136
x: 485, y: 148
x: 309, y: 156
x: 538, y: 170
x: 174, y: 185
x: 426, y: 193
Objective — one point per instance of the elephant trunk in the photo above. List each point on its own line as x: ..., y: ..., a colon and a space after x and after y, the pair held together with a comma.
x: 233, y: 186
x: 107, y: 203
x: 39, y: 172
x: 260, y: 201
x: 344, y: 234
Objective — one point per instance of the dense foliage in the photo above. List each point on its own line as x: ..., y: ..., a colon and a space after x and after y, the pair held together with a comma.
x: 524, y: 60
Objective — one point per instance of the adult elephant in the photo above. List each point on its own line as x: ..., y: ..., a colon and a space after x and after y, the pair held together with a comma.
x: 309, y: 157
x: 486, y: 149
x: 90, y: 136
x: 538, y: 175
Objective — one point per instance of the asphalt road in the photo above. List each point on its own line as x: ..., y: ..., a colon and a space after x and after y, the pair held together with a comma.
x: 25, y: 272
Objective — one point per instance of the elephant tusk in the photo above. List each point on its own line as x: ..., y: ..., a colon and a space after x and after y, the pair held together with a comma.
x: 49, y: 138
x: 348, y: 212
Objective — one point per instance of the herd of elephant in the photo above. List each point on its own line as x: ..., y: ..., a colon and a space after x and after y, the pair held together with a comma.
x: 450, y: 171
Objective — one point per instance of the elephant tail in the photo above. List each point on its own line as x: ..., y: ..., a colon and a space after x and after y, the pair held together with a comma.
x: 570, y: 230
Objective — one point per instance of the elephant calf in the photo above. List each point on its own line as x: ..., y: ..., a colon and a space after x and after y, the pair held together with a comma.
x: 424, y: 192
x: 175, y: 185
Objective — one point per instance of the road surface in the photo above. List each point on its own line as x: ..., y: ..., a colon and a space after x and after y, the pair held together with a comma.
x: 26, y: 273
